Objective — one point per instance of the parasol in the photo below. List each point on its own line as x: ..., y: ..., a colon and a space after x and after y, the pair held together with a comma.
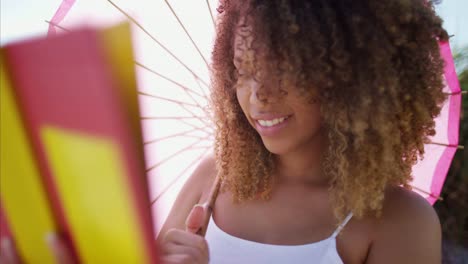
x: 172, y: 43
x: 171, y: 63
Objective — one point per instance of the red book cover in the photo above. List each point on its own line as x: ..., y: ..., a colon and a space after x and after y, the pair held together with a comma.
x: 86, y: 144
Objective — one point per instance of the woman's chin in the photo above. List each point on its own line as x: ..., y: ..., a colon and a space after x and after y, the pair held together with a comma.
x: 277, y: 147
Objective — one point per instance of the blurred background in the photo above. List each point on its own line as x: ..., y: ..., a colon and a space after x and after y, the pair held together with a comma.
x: 20, y: 19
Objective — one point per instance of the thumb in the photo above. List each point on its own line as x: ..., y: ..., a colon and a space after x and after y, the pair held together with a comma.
x: 196, y: 219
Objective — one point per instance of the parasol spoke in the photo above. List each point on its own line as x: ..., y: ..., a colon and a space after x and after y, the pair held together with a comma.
x: 169, y: 117
x: 448, y: 145
x: 191, y: 136
x: 456, y: 93
x: 202, y: 147
x: 176, y: 178
x: 183, y: 105
x: 174, y: 155
x: 185, y: 88
x: 57, y: 26
x: 428, y: 193
x: 134, y: 21
x: 203, y: 90
x: 211, y: 12
x: 194, y: 126
x: 203, y: 120
x: 169, y: 100
x: 183, y: 133
x: 187, y: 33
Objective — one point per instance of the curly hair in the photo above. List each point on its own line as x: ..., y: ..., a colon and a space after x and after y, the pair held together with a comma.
x: 374, y: 66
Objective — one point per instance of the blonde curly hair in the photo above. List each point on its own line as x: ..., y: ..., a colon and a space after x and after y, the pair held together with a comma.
x: 376, y: 70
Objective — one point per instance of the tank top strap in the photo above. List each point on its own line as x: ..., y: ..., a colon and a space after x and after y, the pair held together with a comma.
x: 342, y: 225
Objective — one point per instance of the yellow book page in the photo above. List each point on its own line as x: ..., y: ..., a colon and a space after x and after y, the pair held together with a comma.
x: 93, y: 189
x: 21, y: 189
x: 116, y: 42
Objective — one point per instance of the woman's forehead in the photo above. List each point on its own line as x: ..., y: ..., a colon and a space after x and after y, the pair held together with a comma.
x: 243, y: 38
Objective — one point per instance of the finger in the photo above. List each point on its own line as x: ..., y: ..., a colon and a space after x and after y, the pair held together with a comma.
x: 8, y: 253
x: 177, y: 249
x: 181, y: 237
x: 195, y: 219
x: 178, y: 259
x: 59, y: 249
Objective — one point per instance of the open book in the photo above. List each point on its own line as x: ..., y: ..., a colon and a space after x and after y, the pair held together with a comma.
x: 71, y: 149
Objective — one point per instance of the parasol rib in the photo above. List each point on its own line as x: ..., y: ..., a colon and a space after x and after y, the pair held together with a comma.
x: 178, y: 177
x: 186, y: 33
x: 174, y: 154
x: 211, y: 12
x: 158, y: 42
x: 168, y: 99
x: 170, y: 117
x: 448, y: 145
x: 182, y: 104
x: 186, y: 89
x: 456, y: 93
x: 203, y: 120
x: 57, y: 26
x: 173, y: 135
x: 428, y: 193
x: 194, y: 126
x: 201, y: 89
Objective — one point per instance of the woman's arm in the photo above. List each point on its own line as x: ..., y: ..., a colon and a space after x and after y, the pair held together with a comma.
x: 178, y: 239
x: 190, y: 194
x: 409, y: 231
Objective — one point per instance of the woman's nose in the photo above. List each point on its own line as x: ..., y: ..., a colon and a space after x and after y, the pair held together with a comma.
x: 266, y: 94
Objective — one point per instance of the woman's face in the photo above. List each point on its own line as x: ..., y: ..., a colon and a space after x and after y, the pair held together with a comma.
x: 285, y: 121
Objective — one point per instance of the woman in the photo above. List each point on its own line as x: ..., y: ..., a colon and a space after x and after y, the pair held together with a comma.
x: 321, y: 109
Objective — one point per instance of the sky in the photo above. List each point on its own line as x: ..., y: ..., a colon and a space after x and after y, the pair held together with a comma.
x: 25, y: 18
x: 455, y: 16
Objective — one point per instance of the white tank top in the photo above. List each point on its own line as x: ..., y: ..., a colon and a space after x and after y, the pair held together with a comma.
x: 225, y: 249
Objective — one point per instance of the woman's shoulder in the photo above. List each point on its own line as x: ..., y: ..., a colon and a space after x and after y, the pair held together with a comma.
x: 402, y: 205
x: 191, y: 193
x: 408, y: 230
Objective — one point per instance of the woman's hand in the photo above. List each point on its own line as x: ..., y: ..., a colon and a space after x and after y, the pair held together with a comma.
x: 181, y: 246
x: 178, y: 246
x: 59, y: 249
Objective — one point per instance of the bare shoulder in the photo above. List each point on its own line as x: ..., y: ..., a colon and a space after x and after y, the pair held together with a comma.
x: 191, y: 194
x: 408, y: 232
x: 203, y: 176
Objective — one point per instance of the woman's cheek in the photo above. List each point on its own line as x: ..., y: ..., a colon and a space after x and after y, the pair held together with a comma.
x: 243, y: 95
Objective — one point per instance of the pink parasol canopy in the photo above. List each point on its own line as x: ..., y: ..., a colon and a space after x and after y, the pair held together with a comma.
x: 429, y: 174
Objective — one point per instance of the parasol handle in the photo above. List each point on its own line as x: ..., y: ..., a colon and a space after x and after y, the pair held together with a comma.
x: 209, y: 205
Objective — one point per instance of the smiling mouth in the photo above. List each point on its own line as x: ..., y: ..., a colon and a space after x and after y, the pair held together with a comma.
x: 272, y: 122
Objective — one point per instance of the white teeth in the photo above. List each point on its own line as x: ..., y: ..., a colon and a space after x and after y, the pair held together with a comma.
x: 269, y: 123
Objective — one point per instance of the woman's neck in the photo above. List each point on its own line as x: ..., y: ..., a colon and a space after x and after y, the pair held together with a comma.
x: 303, y: 165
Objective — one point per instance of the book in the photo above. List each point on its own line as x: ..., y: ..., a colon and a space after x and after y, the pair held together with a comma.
x: 71, y: 148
